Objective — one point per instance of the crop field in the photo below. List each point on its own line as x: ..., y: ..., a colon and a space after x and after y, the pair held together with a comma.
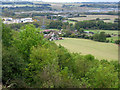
x: 93, y: 17
x: 100, y: 50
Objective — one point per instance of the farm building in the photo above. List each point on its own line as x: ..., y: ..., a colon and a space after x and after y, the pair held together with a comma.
x: 24, y: 20
x: 88, y: 32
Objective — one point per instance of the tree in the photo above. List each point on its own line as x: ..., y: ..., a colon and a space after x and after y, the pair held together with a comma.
x: 96, y: 37
x: 6, y: 36
x: 103, y: 77
x: 12, y: 65
x: 100, y: 37
x: 81, y: 30
x: 28, y: 37
x: 55, y: 25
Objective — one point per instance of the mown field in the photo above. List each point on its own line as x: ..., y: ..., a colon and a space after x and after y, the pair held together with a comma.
x: 93, y: 17
x: 100, y: 50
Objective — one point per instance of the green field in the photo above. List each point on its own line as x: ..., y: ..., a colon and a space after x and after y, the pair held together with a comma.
x: 106, y: 31
x: 113, y: 38
x: 100, y: 50
x: 71, y: 22
x: 93, y: 17
x: 46, y: 29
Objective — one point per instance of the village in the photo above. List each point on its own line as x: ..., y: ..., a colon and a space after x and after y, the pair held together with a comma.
x: 9, y: 20
x: 55, y: 34
x: 52, y: 35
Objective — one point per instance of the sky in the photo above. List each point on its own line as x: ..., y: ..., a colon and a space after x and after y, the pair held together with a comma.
x: 81, y: 0
x: 69, y: 0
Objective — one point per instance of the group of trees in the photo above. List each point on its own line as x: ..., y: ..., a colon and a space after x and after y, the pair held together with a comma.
x: 55, y: 17
x: 96, y: 24
x: 102, y: 13
x: 17, y: 3
x: 27, y: 8
x: 31, y: 61
x: 60, y: 25
x: 99, y: 6
x: 101, y: 37
x: 91, y: 24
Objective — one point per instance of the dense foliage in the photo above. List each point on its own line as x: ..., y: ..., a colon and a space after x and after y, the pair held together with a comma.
x: 96, y: 25
x: 34, y: 62
x: 99, y: 37
x: 91, y: 24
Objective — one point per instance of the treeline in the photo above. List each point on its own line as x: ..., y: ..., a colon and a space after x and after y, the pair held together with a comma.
x: 23, y: 3
x: 96, y: 24
x: 17, y: 3
x: 101, y: 3
x: 99, y: 6
x: 42, y: 4
x: 91, y: 24
x: 100, y: 37
x: 102, y: 13
x: 93, y: 6
x: 31, y: 61
x: 55, y: 17
x: 60, y: 25
x: 28, y: 8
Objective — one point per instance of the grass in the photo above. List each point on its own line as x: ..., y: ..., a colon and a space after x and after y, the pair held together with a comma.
x: 106, y: 31
x: 113, y: 38
x: 71, y: 22
x: 93, y: 17
x: 46, y: 29
x: 100, y: 50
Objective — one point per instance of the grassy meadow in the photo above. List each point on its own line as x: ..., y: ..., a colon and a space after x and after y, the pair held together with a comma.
x: 106, y: 31
x: 113, y: 38
x: 71, y: 22
x: 93, y: 17
x: 100, y: 50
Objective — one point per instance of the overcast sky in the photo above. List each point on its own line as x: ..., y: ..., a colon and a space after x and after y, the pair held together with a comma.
x: 81, y: 0
x: 68, y: 0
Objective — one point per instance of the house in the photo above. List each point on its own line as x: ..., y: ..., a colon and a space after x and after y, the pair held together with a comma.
x: 16, y: 21
x: 7, y: 19
x: 24, y: 20
x: 64, y: 21
x: 86, y: 31
x: 11, y: 20
x: 51, y: 34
